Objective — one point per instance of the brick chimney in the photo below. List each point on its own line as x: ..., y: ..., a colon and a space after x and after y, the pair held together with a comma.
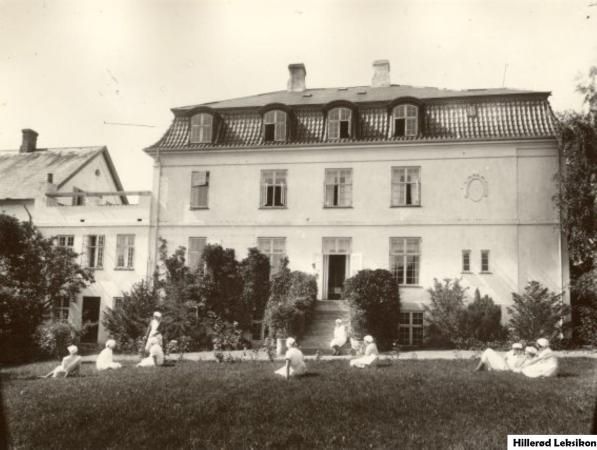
x: 296, y: 82
x: 29, y: 143
x: 381, y: 73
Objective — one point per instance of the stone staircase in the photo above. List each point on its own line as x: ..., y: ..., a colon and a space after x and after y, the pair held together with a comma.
x: 320, y: 331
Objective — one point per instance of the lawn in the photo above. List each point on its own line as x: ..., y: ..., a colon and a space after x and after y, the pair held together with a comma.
x: 410, y: 404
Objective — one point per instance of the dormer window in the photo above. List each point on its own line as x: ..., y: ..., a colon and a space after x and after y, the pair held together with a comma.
x: 406, y: 120
x: 202, y: 128
x: 339, y: 123
x: 274, y: 126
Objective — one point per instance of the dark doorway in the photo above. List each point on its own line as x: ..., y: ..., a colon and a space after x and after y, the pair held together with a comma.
x: 90, y: 314
x: 336, y: 276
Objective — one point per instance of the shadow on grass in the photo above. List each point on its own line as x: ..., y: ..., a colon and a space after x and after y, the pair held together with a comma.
x: 567, y: 375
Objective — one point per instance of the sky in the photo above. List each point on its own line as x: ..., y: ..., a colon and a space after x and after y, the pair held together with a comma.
x: 76, y: 71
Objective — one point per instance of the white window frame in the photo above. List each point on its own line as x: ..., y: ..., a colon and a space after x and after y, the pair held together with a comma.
x: 125, y: 251
x: 201, y: 128
x: 466, y: 261
x: 199, y: 189
x: 406, y: 182
x: 277, y: 183
x: 117, y: 302
x: 61, y: 310
x: 275, y: 249
x: 485, y: 266
x: 335, y: 117
x: 401, y: 255
x: 410, y: 114
x: 337, y: 189
x: 411, y: 326
x: 195, y: 251
x: 65, y: 240
x: 97, y: 262
x: 278, y: 119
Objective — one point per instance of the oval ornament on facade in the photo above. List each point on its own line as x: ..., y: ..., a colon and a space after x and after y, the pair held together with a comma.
x: 475, y: 188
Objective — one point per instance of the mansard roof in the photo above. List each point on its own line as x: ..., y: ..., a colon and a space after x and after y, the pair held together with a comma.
x: 445, y: 115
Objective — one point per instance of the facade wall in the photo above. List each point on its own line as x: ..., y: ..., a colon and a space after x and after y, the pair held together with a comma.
x: 477, y: 196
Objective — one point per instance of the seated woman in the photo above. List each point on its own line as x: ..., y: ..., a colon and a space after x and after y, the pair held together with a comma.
x: 492, y: 360
x: 340, y: 337
x: 371, y: 354
x: 105, y: 360
x: 156, y: 354
x: 544, y: 365
x: 70, y: 365
x: 295, y: 361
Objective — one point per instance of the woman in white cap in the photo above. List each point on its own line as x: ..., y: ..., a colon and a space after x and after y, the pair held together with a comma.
x: 156, y: 354
x: 544, y: 365
x: 295, y: 361
x: 105, y: 360
x: 70, y: 364
x: 370, y: 357
x: 153, y: 329
x: 340, y: 337
x: 492, y: 360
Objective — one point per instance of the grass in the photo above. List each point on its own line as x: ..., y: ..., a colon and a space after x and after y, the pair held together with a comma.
x: 410, y: 404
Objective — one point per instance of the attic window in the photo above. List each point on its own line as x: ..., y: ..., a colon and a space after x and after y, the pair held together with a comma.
x: 406, y: 119
x: 471, y: 111
x: 274, y: 126
x: 339, y: 123
x: 201, y: 128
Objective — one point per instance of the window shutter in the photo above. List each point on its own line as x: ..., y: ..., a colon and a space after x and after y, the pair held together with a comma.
x: 100, y: 251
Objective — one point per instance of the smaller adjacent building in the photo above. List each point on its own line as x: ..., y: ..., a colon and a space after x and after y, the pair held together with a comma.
x: 75, y: 195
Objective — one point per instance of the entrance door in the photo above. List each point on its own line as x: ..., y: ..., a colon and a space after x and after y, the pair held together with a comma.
x: 336, y: 276
x: 90, y: 314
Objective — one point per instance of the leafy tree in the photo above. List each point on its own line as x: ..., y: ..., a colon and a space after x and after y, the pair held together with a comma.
x: 481, y: 320
x: 444, y: 314
x: 255, y: 270
x: 577, y: 199
x: 35, y: 275
x: 536, y: 313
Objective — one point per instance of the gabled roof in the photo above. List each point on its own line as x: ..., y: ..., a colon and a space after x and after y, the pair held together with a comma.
x: 355, y: 94
x: 24, y: 175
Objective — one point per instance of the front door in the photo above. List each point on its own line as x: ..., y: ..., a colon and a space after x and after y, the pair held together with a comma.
x: 336, y: 276
x: 90, y: 314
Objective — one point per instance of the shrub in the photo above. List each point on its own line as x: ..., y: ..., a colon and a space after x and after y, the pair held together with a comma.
x: 302, y: 295
x: 444, y: 315
x: 53, y: 337
x: 128, y: 322
x: 481, y: 321
x: 256, y: 286
x: 584, y: 296
x: 537, y: 312
x: 374, y: 301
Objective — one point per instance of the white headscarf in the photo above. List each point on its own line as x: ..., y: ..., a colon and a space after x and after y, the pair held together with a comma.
x: 368, y: 339
x: 517, y: 346
x: 72, y: 349
x: 542, y: 342
x: 530, y: 350
x: 290, y: 342
x: 157, y: 315
x: 110, y: 343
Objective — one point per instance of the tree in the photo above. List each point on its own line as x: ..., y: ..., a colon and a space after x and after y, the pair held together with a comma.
x: 536, y: 313
x: 35, y: 275
x: 577, y: 198
x: 444, y: 313
x: 481, y: 320
x: 255, y: 270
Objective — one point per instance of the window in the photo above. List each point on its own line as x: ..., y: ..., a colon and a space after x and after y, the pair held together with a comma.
x: 196, y: 246
x: 201, y: 128
x: 411, y: 328
x: 338, y: 188
x: 61, y: 309
x: 199, y: 189
x: 117, y: 302
x: 405, y: 259
x: 275, y: 249
x: 466, y: 260
x: 65, y: 240
x: 405, y: 120
x: 78, y: 200
x: 339, y: 123
x: 406, y: 186
x: 93, y: 251
x: 274, y: 126
x: 273, y: 188
x: 484, y: 260
x: 337, y: 245
x: 125, y: 251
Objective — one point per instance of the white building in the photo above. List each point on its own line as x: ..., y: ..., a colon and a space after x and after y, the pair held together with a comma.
x: 429, y: 183
x: 75, y: 194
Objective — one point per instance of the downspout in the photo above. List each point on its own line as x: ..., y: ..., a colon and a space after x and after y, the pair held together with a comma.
x: 155, y: 220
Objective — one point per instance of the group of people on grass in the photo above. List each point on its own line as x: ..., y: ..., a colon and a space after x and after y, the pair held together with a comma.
x: 539, y: 361
x: 533, y: 362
